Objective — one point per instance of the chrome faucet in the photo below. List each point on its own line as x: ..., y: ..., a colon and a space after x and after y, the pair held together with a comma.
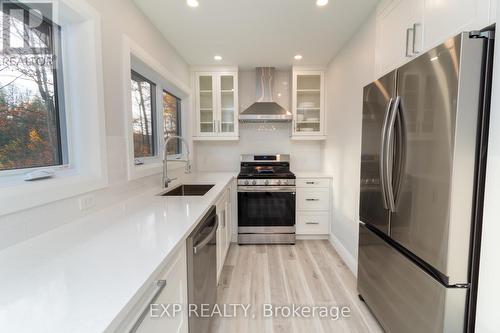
x: 187, y: 170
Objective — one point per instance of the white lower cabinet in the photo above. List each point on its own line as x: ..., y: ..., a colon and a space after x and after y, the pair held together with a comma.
x: 313, y: 206
x: 313, y: 199
x: 313, y: 183
x: 224, y: 231
x: 313, y: 223
x: 168, y: 288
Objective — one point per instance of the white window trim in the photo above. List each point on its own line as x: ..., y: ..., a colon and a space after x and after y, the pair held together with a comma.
x: 87, y: 168
x: 152, y: 165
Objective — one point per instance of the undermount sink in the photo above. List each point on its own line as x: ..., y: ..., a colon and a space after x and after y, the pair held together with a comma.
x: 188, y: 190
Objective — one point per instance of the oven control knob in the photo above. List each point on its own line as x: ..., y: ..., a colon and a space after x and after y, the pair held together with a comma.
x: 285, y: 182
x: 254, y: 182
x: 266, y: 182
x: 278, y: 182
x: 247, y: 182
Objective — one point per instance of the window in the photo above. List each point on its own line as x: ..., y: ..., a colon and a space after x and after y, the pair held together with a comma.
x: 166, y: 117
x: 143, y: 116
x: 32, y: 119
x: 172, y: 121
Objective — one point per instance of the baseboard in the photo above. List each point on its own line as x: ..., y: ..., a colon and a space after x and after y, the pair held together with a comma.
x: 345, y: 255
x: 311, y: 237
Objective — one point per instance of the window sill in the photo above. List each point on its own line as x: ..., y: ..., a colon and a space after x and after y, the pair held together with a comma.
x: 150, y: 169
x: 17, y: 194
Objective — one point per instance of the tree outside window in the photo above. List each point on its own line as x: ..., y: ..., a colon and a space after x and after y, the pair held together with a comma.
x: 143, y: 113
x: 172, y: 121
x: 31, y: 100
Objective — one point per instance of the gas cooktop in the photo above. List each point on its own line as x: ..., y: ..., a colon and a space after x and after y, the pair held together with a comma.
x: 265, y: 167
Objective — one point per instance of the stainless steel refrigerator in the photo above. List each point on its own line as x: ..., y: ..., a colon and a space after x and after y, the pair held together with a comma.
x: 422, y: 165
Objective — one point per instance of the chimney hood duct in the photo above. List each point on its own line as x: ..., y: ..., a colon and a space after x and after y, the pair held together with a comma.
x: 265, y: 109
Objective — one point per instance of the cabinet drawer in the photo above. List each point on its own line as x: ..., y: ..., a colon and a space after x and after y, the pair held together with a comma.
x: 313, y: 199
x: 313, y: 183
x: 173, y: 292
x: 312, y: 223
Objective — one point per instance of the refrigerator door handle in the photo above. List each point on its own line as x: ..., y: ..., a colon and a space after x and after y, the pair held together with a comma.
x: 388, y: 156
x: 383, y: 182
x: 401, y: 144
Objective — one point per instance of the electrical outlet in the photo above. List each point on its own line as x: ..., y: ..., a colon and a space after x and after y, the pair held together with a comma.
x: 87, y: 202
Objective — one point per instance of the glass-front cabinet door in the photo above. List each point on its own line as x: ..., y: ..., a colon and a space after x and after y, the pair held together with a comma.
x: 228, y: 101
x: 217, y: 105
x: 206, y: 104
x: 308, y: 104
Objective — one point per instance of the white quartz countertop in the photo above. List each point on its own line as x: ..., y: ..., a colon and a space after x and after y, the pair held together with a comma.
x: 78, y: 278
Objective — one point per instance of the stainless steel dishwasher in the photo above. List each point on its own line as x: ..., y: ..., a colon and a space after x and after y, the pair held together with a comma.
x: 202, y: 269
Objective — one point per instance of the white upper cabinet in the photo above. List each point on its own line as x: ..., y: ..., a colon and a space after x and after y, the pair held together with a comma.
x: 444, y: 19
x: 216, y: 94
x: 399, y: 33
x: 407, y: 28
x: 308, y: 104
x: 206, y: 104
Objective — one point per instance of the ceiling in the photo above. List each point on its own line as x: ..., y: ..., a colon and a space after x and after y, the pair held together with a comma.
x: 251, y: 33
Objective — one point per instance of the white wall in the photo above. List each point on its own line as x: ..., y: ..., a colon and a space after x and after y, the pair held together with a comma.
x: 260, y: 138
x: 487, y: 318
x: 118, y: 17
x: 347, y: 74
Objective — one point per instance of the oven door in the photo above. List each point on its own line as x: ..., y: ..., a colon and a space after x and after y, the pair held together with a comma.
x: 266, y: 208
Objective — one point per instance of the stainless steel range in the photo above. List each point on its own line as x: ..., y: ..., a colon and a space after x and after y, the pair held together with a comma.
x: 266, y: 200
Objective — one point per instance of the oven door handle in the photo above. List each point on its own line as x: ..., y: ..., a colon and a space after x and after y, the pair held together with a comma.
x: 250, y: 189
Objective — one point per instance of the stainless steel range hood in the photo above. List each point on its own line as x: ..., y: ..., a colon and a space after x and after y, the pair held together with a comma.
x: 265, y: 109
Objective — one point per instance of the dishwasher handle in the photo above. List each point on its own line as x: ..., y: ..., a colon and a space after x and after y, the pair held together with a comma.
x: 207, y: 239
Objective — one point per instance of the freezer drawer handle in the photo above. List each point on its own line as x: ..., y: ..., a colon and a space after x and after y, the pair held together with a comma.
x: 312, y: 223
x: 312, y: 199
x: 160, y: 285
x: 310, y: 183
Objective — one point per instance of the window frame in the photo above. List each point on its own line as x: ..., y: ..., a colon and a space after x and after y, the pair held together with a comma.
x: 136, y: 58
x: 56, y: 50
x: 157, y: 117
x: 87, y: 168
x: 179, y: 121
x: 154, y: 116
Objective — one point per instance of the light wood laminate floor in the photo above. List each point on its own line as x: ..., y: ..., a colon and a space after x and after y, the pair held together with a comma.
x: 310, y: 273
